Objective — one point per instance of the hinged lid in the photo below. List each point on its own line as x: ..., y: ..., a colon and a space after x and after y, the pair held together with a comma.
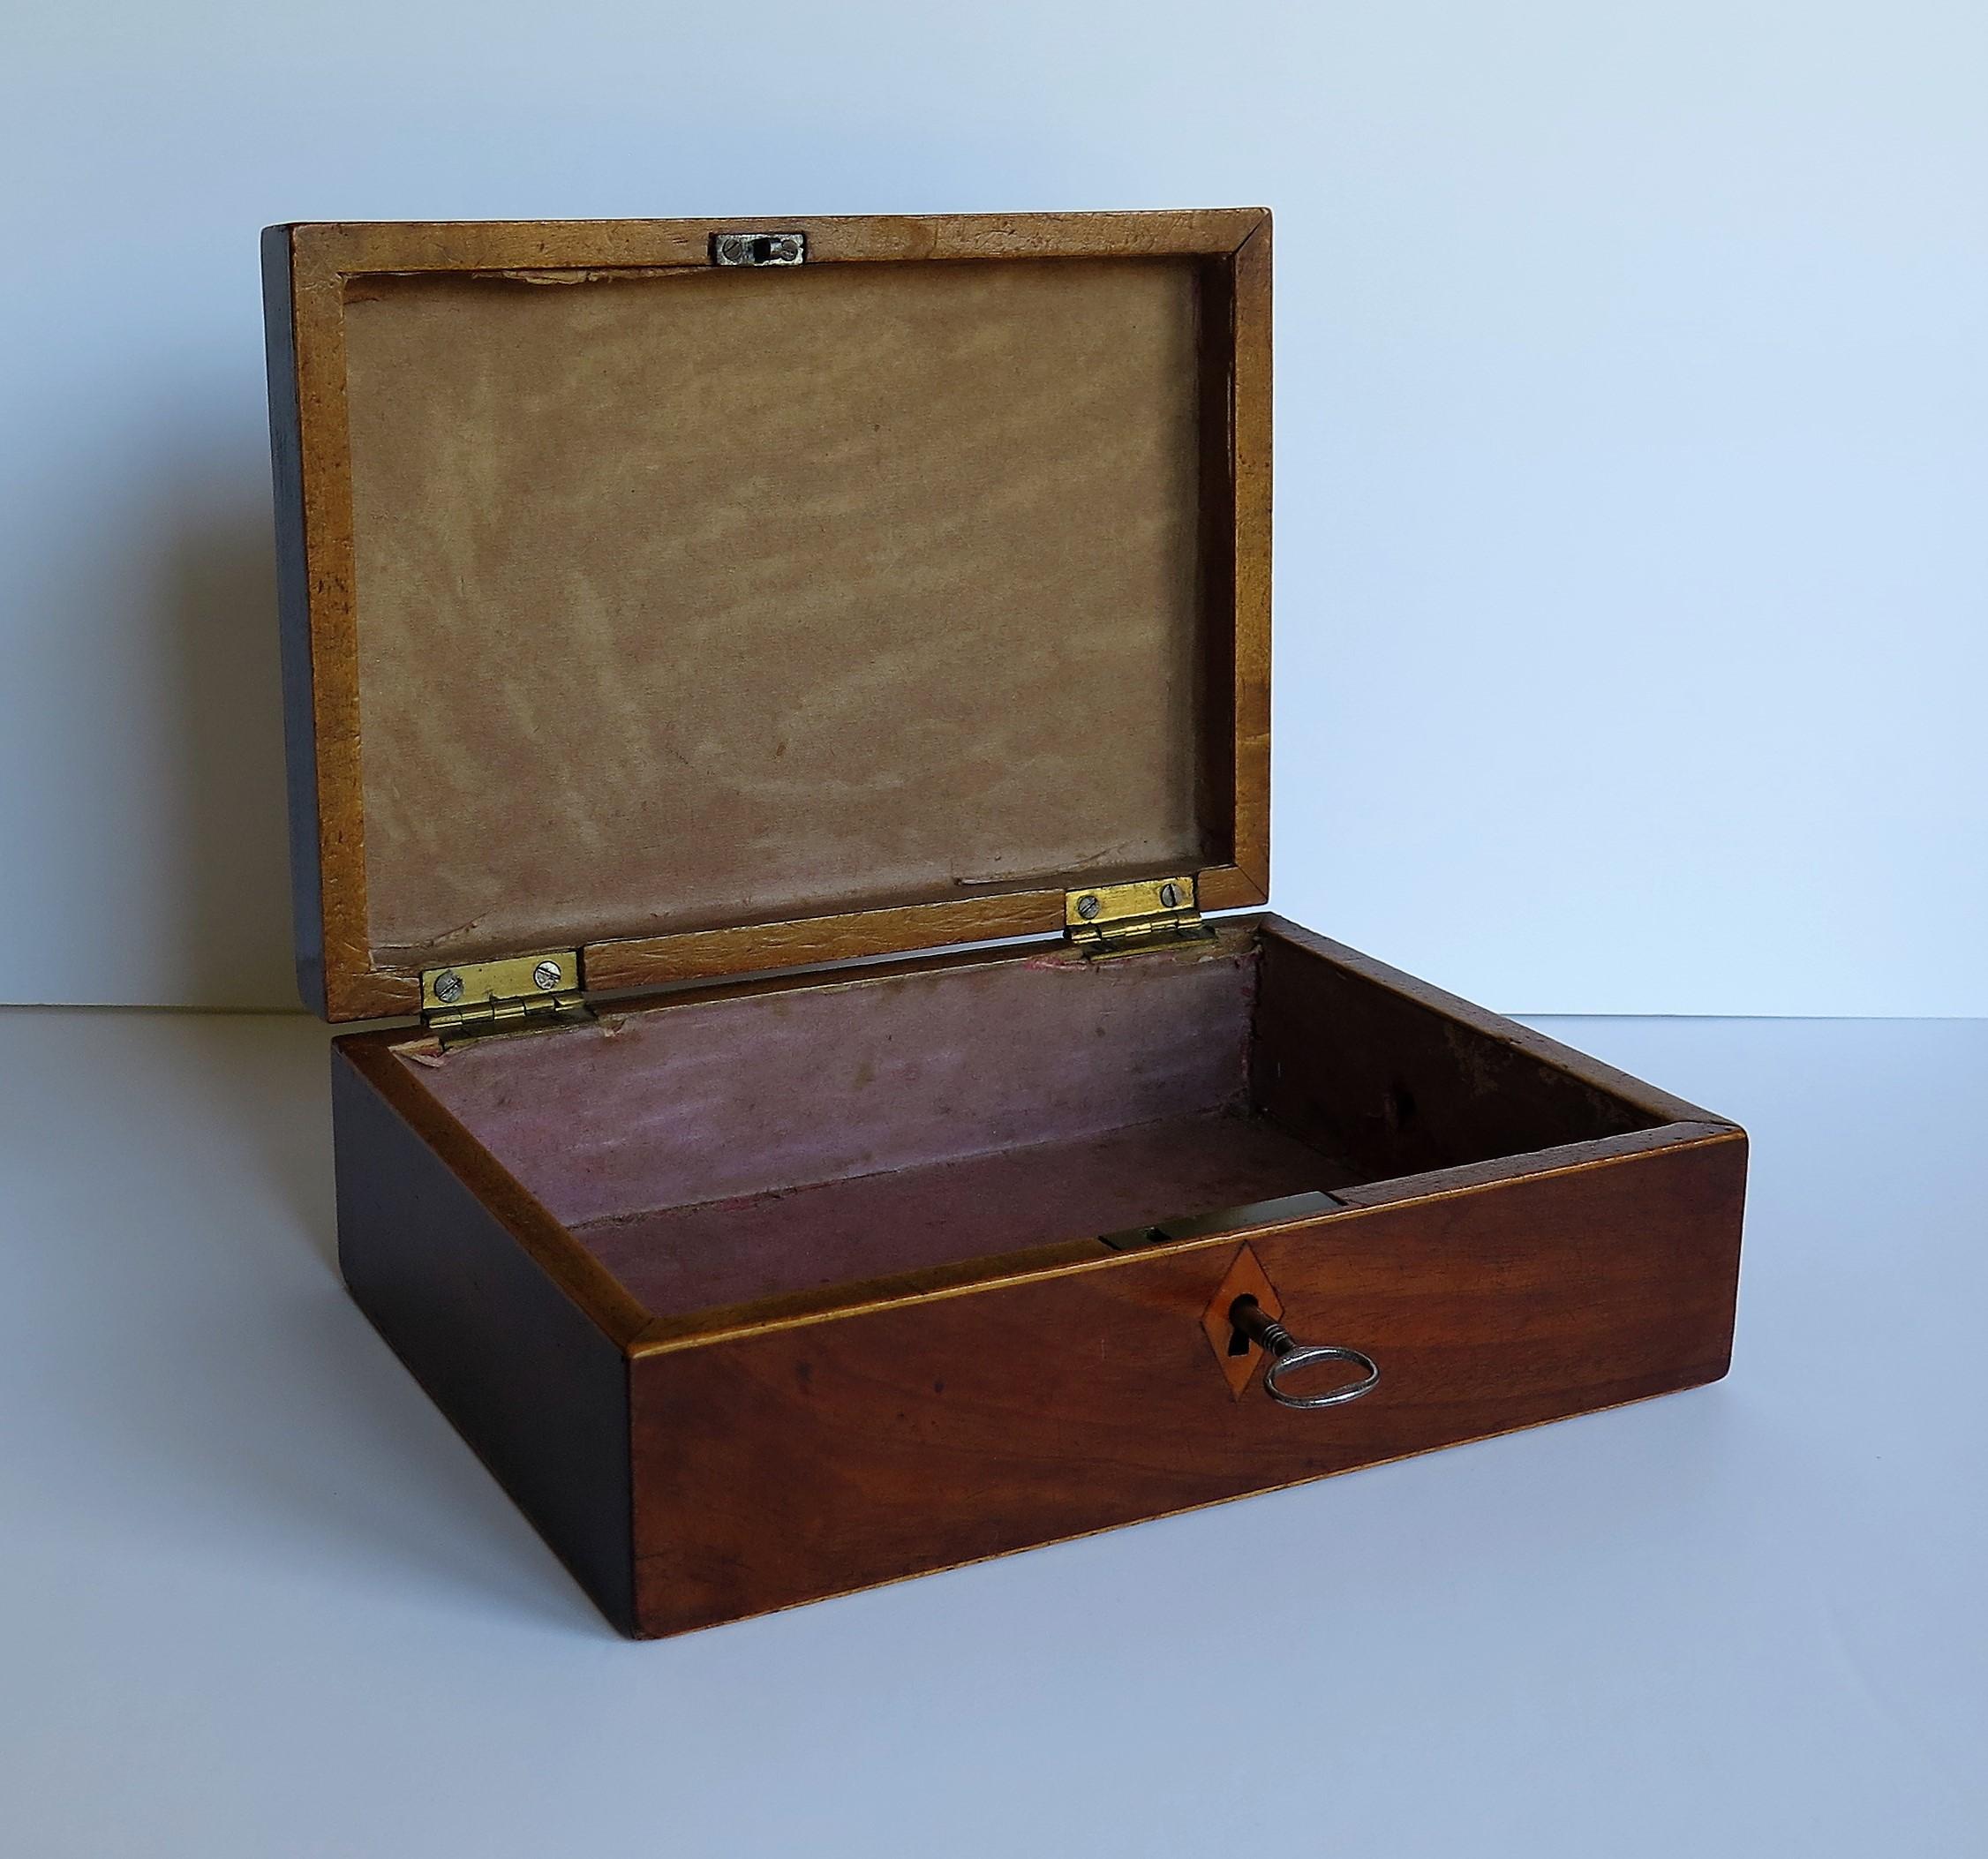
x: 692, y: 598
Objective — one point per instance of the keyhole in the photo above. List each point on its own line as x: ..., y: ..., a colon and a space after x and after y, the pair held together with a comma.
x: 1240, y: 1344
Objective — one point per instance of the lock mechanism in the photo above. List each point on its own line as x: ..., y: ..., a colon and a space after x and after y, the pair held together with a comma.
x: 1244, y: 1326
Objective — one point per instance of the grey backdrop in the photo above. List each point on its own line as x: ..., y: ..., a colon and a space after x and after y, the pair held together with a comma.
x: 1631, y: 388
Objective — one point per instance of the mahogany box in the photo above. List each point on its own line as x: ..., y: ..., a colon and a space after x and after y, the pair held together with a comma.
x: 686, y: 625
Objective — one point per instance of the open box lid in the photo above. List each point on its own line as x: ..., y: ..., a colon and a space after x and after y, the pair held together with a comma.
x: 696, y: 597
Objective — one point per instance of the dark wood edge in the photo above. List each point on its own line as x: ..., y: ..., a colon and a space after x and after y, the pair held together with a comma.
x: 1634, y: 1092
x: 353, y: 247
x: 352, y: 989
x: 293, y: 611
x: 831, y: 1303
x: 531, y: 1381
x: 1443, y: 1184
x: 594, y: 1289
x: 334, y: 941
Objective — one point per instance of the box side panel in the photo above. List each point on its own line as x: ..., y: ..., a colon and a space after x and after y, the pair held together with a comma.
x: 537, y: 1388
x: 793, y: 1463
x: 293, y: 605
x: 1338, y: 1030
x: 1399, y: 1081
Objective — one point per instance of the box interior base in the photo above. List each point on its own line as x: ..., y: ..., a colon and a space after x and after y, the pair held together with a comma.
x: 760, y: 1141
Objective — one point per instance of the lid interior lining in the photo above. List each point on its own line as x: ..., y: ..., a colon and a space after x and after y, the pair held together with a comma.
x: 722, y: 598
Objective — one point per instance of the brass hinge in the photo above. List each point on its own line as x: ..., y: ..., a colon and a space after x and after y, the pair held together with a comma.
x: 514, y: 995
x: 759, y: 248
x: 1122, y: 919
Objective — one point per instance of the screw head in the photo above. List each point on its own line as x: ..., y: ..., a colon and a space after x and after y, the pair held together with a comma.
x: 448, y: 987
x: 1170, y: 896
x: 548, y: 975
x: 1087, y: 908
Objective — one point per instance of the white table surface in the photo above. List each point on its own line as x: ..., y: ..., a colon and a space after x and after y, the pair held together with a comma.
x: 257, y: 1598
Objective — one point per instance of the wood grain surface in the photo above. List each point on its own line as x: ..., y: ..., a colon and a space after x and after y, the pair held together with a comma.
x: 947, y: 1429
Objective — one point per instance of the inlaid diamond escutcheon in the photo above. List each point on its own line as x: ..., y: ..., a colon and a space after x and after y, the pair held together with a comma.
x: 1245, y: 1278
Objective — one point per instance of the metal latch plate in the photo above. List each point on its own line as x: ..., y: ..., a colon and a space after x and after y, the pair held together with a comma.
x: 759, y: 248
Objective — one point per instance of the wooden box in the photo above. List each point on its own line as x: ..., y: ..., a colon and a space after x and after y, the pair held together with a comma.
x: 686, y: 624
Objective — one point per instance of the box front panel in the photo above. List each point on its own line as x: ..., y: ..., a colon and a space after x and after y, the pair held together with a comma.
x: 797, y: 1462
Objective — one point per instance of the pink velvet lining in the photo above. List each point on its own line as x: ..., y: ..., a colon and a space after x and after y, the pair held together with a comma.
x: 725, y: 1149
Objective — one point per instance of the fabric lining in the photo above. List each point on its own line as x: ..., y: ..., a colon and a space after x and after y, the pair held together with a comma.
x: 721, y: 598
x: 718, y: 1151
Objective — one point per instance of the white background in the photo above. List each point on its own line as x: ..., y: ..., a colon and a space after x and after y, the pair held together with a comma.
x: 1632, y: 404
